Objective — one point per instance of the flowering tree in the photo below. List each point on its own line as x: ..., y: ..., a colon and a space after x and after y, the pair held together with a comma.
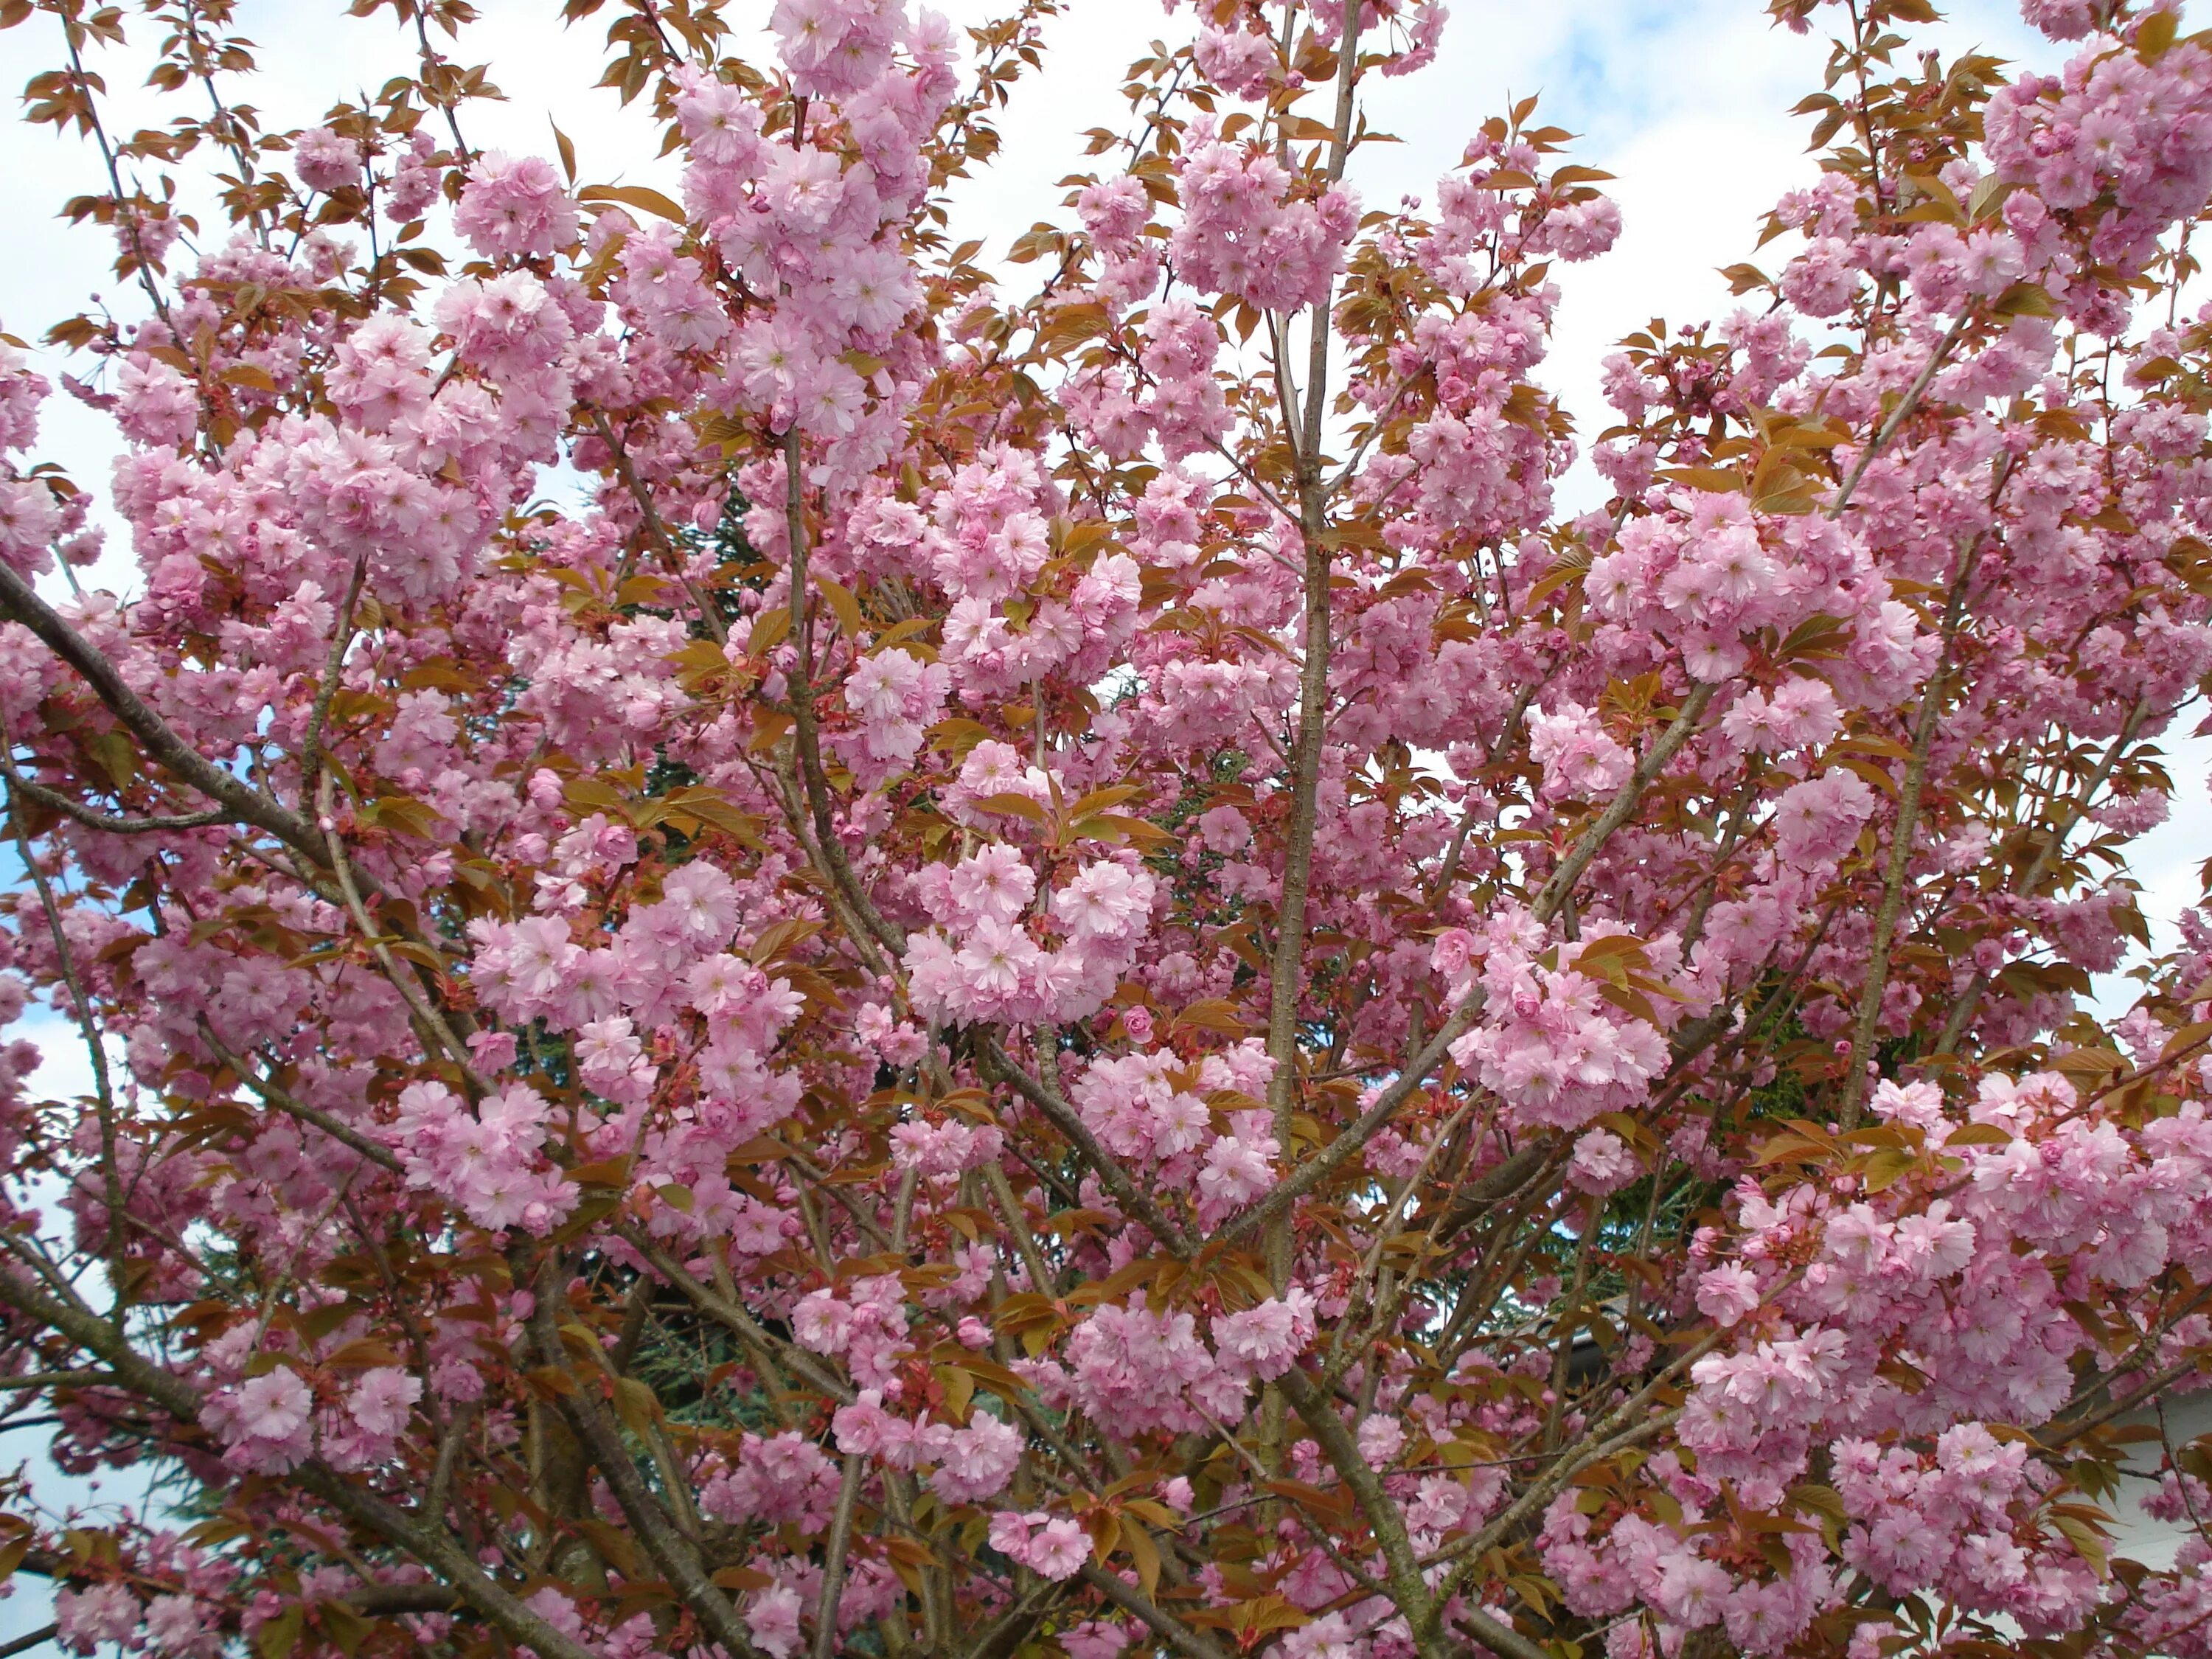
x: 1063, y: 973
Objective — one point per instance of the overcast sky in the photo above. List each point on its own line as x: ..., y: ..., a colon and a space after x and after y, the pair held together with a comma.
x: 1685, y: 101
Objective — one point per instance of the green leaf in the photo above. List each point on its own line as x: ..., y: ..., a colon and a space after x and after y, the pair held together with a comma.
x: 1720, y: 480
x: 404, y: 813
x: 846, y: 606
x: 276, y: 1638
x: 1019, y: 806
x: 1977, y: 1134
x: 2086, y: 1543
x: 639, y: 197
x: 635, y: 1404
x: 345, y: 1628
x: 1884, y: 1168
x: 1143, y: 1552
x: 2023, y: 300
x: 116, y: 756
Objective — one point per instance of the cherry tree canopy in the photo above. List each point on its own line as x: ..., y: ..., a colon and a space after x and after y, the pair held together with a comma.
x: 1063, y: 972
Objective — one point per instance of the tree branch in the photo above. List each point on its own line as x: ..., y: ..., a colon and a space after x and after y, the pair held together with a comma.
x: 1063, y: 1116
x: 19, y: 601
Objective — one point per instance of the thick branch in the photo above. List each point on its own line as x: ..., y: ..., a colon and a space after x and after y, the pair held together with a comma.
x: 833, y: 1560
x: 1499, y: 1638
x: 1556, y: 891
x: 1903, y: 412
x: 271, y: 1094
x: 1063, y: 1116
x: 77, y: 812
x: 19, y: 601
x: 1287, y: 975
x: 804, y: 728
x: 432, y: 1545
x: 1356, y: 1135
x: 1900, y: 843
x: 1191, y: 1644
x: 1962, y: 1010
x: 1402, y: 1568
x: 675, y: 1555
